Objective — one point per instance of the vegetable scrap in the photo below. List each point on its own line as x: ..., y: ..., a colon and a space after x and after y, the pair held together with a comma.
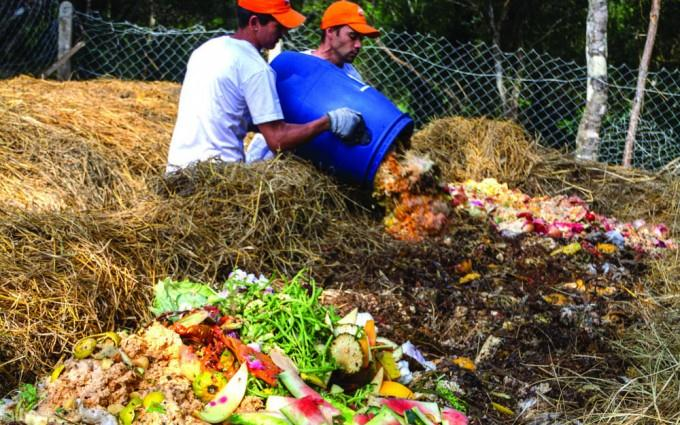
x: 418, y: 205
x: 252, y: 351
x: 560, y: 217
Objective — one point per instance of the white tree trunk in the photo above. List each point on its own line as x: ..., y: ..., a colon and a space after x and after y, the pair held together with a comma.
x: 588, y: 137
x: 642, y: 80
x: 508, y: 100
x: 152, y: 13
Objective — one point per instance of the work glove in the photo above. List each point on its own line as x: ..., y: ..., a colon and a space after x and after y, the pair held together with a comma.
x: 348, y: 125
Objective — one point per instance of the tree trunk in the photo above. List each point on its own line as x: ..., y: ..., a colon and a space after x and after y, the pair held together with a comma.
x: 588, y: 137
x: 508, y: 102
x: 641, y: 82
x: 152, y: 14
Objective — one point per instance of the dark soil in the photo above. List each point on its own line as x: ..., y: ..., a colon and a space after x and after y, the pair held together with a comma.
x: 414, y: 294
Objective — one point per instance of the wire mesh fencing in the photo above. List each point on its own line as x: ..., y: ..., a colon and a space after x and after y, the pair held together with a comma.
x: 127, y: 51
x: 28, y: 36
x: 426, y: 76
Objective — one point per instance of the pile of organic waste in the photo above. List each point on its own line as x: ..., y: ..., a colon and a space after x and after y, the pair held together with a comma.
x: 252, y: 351
x: 524, y: 327
x: 416, y: 207
x: 526, y: 287
x: 419, y: 205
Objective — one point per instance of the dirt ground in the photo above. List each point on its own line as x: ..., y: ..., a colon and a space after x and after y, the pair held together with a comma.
x: 528, y: 315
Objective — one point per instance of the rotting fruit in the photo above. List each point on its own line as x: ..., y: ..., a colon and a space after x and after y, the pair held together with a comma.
x: 84, y: 348
x: 154, y: 397
x: 207, y: 384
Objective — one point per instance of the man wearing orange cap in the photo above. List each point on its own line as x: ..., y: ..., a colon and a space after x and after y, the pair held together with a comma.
x: 228, y: 87
x: 343, y: 27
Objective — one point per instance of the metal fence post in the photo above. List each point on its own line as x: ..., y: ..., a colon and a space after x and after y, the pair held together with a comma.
x: 65, y: 37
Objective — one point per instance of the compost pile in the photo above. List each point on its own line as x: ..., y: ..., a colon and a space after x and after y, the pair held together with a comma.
x: 468, y: 270
x: 417, y: 207
x: 248, y: 353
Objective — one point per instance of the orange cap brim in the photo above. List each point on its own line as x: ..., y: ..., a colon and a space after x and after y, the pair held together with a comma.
x: 289, y: 19
x: 365, y: 29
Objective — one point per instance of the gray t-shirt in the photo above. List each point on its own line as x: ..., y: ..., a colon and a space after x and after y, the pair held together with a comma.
x: 347, y: 68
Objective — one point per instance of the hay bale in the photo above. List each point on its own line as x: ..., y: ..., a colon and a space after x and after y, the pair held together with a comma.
x: 128, y: 121
x: 476, y: 148
x: 81, y: 144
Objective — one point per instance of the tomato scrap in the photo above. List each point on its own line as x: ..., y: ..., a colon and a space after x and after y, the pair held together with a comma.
x: 214, y: 343
x: 259, y: 364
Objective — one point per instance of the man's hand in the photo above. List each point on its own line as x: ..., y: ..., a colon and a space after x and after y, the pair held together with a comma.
x: 346, y: 123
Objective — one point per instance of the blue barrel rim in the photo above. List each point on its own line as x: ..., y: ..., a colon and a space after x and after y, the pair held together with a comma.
x: 392, y: 134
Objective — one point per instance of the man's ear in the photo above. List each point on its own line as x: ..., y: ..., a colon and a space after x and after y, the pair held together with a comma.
x: 253, y: 22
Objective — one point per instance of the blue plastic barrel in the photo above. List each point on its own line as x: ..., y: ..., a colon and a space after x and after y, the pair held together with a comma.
x: 308, y: 87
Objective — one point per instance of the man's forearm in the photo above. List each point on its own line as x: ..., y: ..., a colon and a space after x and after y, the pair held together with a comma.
x: 283, y: 136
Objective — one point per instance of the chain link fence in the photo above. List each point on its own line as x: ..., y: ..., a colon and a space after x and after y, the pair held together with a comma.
x: 425, y: 76
x: 28, y: 36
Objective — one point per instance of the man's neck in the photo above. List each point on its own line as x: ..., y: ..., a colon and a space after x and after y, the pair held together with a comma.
x: 246, y: 35
x: 326, y: 53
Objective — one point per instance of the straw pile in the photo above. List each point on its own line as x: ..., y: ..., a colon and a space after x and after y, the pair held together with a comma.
x: 479, y: 147
x: 88, y: 224
x: 476, y: 148
x: 88, y: 147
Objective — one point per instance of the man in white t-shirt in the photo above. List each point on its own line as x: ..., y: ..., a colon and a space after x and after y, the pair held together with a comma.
x: 229, y: 87
x: 343, y: 27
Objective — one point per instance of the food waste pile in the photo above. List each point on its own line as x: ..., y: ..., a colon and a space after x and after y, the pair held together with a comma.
x: 251, y: 351
x: 517, y: 290
x: 502, y: 289
x: 419, y: 206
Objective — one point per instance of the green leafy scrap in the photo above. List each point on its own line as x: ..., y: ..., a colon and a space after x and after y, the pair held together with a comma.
x: 294, y: 320
x: 28, y: 398
x: 171, y: 296
x: 447, y: 394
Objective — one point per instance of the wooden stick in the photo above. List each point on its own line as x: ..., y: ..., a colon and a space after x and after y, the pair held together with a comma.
x: 642, y: 80
x: 59, y: 63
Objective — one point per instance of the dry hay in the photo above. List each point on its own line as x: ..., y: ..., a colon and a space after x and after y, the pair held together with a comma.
x: 128, y: 121
x: 475, y: 148
x: 479, y: 147
x: 81, y: 144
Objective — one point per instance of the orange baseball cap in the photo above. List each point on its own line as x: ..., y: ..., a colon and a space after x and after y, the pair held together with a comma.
x: 281, y: 10
x: 347, y: 13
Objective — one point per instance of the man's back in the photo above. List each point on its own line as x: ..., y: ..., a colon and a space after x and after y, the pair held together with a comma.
x: 226, y: 80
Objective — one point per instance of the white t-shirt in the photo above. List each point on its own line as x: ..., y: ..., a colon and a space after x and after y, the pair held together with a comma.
x: 227, y: 87
x: 259, y: 150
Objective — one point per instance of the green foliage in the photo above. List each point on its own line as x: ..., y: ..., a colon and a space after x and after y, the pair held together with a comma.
x: 555, y: 27
x: 294, y: 320
x: 356, y: 399
x: 27, y: 399
x: 445, y: 392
